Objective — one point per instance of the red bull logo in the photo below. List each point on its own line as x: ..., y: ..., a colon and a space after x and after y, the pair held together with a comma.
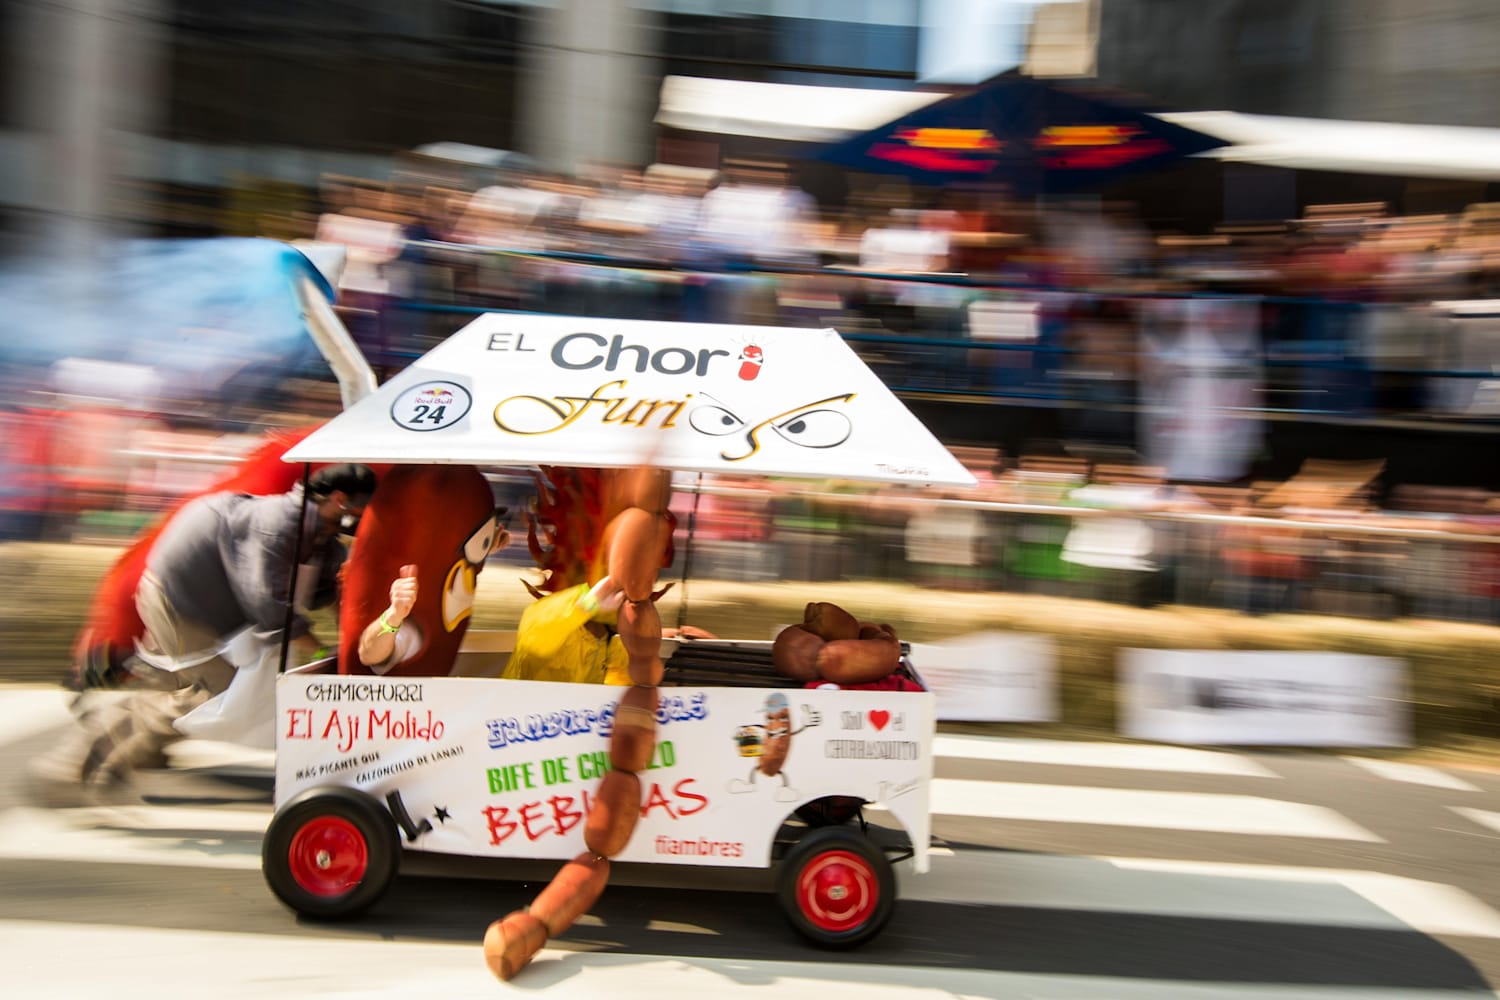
x: 966, y: 150
x: 974, y: 140
x: 1096, y: 147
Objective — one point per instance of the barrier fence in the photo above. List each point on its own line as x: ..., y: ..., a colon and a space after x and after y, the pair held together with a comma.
x: 1376, y: 566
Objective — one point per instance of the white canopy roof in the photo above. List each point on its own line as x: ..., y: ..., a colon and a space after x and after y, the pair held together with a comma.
x: 781, y: 110
x: 1448, y: 151
x: 695, y: 397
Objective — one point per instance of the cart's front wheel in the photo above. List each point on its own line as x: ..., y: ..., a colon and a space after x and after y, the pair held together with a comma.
x: 330, y: 852
x: 837, y: 888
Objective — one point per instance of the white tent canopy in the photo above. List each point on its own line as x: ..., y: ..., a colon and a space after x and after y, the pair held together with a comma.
x: 1442, y: 151
x: 781, y: 110
x: 828, y: 114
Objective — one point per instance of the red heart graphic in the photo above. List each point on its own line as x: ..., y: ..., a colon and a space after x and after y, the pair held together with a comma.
x: 878, y: 718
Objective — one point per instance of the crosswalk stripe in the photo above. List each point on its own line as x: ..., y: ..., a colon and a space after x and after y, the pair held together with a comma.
x: 1174, y: 888
x: 1483, y: 817
x: 1200, y: 811
x: 1429, y: 907
x: 1077, y: 753
x: 1415, y: 774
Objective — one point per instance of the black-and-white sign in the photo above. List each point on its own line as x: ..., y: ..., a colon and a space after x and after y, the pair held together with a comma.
x: 1249, y: 698
x: 990, y: 677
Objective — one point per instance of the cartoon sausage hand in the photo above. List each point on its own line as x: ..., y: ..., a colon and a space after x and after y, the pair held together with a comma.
x: 403, y: 593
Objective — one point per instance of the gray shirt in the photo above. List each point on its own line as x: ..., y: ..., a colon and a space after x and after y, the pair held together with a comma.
x: 225, y: 561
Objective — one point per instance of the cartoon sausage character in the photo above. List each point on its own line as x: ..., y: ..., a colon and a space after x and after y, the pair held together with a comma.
x: 774, y: 745
x: 778, y: 741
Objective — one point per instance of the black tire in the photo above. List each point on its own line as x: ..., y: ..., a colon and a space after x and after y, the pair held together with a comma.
x: 330, y: 853
x: 836, y: 887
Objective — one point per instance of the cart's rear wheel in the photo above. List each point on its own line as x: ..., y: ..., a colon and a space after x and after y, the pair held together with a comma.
x: 330, y: 852
x: 837, y: 888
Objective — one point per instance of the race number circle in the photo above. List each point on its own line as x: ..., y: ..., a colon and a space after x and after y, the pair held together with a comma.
x: 431, y: 406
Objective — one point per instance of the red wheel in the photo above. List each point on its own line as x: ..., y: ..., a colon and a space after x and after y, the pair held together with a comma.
x: 837, y: 888
x: 328, y: 856
x: 330, y: 852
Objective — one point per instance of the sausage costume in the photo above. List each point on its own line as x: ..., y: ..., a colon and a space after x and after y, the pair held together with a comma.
x: 636, y: 543
x: 442, y: 519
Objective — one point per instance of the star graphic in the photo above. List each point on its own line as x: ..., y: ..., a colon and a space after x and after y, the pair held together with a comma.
x: 441, y: 814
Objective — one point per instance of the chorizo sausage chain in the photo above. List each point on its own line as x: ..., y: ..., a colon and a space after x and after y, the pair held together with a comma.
x: 635, y: 541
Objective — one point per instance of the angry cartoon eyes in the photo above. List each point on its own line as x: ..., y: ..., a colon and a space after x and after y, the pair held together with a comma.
x: 810, y: 426
x: 482, y: 539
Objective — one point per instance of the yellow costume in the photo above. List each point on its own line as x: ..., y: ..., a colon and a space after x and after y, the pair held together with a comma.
x: 554, y: 644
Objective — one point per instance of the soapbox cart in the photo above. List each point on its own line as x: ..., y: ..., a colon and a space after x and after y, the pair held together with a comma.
x: 374, y: 769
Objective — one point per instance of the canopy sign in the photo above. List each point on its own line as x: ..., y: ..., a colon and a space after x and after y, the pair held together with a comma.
x: 556, y: 390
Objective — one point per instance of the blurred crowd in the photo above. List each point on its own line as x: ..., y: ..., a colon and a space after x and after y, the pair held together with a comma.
x: 1164, y: 350
x: 1349, y: 310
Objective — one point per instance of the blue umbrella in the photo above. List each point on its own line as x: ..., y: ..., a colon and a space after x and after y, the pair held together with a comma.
x: 1033, y: 137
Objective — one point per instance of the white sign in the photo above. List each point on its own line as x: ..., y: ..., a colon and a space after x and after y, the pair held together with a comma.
x: 696, y: 397
x: 508, y: 768
x: 1200, y: 386
x: 990, y: 677
x: 1264, y: 698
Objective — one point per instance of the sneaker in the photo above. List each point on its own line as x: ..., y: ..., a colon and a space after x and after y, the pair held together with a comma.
x: 55, y: 781
x: 110, y: 787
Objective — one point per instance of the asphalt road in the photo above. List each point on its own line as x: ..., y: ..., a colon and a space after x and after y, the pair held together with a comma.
x: 1064, y: 870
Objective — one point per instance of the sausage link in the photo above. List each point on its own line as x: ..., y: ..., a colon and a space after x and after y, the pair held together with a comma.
x: 829, y: 621
x: 858, y: 661
x: 647, y: 673
x: 635, y: 541
x: 643, y: 487
x: 794, y: 653
x: 571, y: 893
x: 640, y: 629
x: 613, y: 815
x: 633, y: 739
x: 509, y: 943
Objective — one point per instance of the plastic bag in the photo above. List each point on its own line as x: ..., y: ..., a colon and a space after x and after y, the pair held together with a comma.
x: 245, y: 712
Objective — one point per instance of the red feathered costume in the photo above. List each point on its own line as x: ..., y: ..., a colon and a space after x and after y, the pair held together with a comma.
x: 112, y: 625
x: 439, y: 518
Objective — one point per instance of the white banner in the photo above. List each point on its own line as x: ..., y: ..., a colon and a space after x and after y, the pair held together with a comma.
x: 990, y: 677
x: 1264, y: 698
x: 697, y: 397
x: 1200, y: 379
x: 508, y: 768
